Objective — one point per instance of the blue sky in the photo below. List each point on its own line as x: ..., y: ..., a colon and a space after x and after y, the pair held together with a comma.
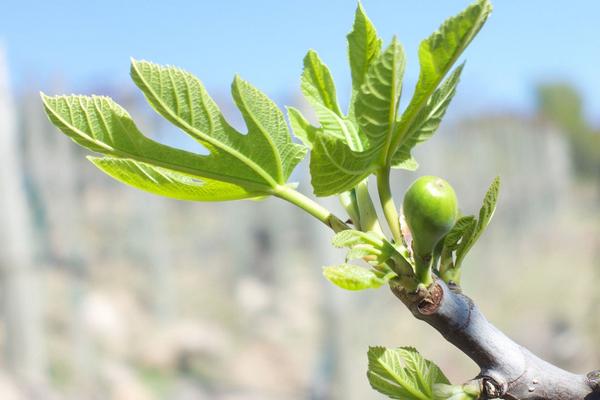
x: 86, y: 44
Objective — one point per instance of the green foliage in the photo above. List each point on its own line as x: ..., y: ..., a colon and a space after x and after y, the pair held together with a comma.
x: 427, y: 121
x: 338, y: 163
x: 265, y: 154
x: 485, y: 216
x: 452, y: 239
x: 373, y: 137
x: 239, y: 166
x: 318, y: 88
x: 353, y: 277
x: 349, y: 238
x: 364, y: 47
x: 466, y: 231
x: 437, y: 54
x: 317, y: 84
x: 166, y: 182
x: 100, y: 125
x: 372, y: 248
x: 376, y: 103
x: 456, y: 392
x: 345, y: 149
x: 403, y: 373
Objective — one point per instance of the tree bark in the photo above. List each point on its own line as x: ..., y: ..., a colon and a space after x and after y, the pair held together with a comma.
x: 508, y: 370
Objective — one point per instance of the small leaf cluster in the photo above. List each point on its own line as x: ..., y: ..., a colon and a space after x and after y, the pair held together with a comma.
x: 372, y: 248
x: 466, y: 231
x: 347, y: 148
x: 403, y: 373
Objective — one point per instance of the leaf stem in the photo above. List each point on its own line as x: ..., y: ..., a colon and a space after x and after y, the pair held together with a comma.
x: 387, y: 203
x: 311, y: 207
x: 349, y: 201
x: 368, y: 216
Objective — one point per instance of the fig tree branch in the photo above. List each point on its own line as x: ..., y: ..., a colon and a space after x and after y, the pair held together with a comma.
x: 508, y: 370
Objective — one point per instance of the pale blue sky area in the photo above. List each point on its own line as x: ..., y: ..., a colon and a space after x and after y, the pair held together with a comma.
x: 84, y: 44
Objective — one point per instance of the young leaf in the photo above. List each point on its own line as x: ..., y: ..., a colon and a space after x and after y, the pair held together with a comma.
x: 335, y: 168
x: 443, y: 391
x: 337, y: 165
x: 489, y: 206
x: 428, y: 374
x: 337, y: 161
x: 427, y: 121
x: 317, y: 84
x: 101, y: 125
x: 485, y: 215
x: 338, y: 128
x: 352, y: 277
x: 350, y: 237
x: 461, y: 226
x: 364, y: 46
x: 362, y: 250
x: 437, y: 54
x: 319, y: 90
x: 373, y: 246
x: 301, y: 127
x: 378, y: 97
x: 403, y: 373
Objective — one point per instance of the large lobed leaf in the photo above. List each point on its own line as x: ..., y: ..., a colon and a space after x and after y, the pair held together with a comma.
x: 266, y: 151
x: 403, y: 373
x: 101, y: 125
x: 238, y: 166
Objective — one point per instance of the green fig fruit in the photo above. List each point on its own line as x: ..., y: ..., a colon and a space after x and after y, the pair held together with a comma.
x: 430, y: 208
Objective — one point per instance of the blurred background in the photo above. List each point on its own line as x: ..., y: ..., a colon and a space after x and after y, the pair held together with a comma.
x: 110, y: 293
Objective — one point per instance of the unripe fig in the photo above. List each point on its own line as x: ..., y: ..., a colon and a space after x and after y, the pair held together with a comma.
x: 430, y: 208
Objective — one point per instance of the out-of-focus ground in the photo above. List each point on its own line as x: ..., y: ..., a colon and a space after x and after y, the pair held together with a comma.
x: 110, y: 293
